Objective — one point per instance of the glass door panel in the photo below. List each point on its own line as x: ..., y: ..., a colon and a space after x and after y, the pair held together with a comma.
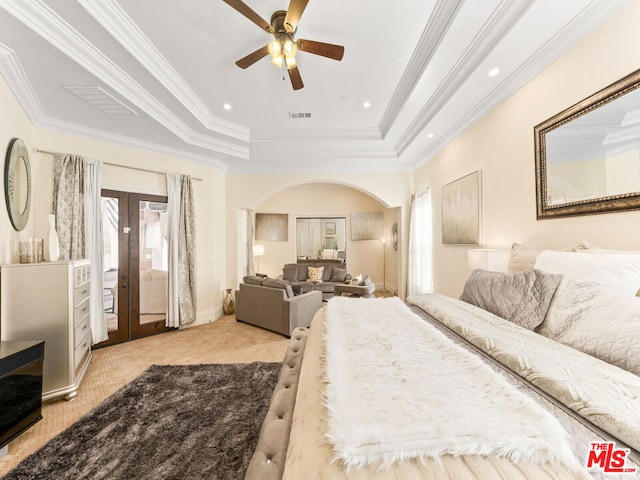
x: 153, y: 264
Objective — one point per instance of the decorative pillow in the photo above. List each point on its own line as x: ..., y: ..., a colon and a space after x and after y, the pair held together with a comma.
x: 338, y: 274
x: 275, y: 283
x: 522, y: 258
x: 356, y: 280
x: 290, y: 273
x: 315, y: 274
x: 596, y: 320
x: 253, y: 280
x: 520, y: 297
x: 618, y: 271
x: 365, y: 281
x: 297, y: 289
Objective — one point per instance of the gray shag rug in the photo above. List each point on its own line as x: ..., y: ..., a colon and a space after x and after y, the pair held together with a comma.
x: 172, y: 422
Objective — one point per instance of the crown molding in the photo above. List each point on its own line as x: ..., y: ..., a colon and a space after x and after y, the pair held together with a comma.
x: 113, y: 18
x: 15, y: 77
x: 504, y: 17
x: 583, y: 24
x: 327, y: 134
x: 440, y: 20
x: 19, y: 84
x: 44, y: 21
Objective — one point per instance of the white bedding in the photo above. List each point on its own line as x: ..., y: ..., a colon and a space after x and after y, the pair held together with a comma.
x: 401, y: 402
x: 604, y: 394
x: 596, y: 320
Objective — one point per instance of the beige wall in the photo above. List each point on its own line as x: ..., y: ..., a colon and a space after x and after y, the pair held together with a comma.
x: 209, y: 194
x: 323, y: 200
x: 501, y: 145
x: 388, y: 192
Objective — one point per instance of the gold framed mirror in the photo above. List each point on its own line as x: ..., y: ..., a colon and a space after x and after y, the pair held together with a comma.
x: 588, y: 156
x: 17, y: 183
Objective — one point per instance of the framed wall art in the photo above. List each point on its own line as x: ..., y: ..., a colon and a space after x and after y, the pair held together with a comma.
x: 272, y: 227
x: 461, y: 211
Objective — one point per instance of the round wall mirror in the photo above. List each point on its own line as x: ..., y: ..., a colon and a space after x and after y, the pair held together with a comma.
x: 17, y: 183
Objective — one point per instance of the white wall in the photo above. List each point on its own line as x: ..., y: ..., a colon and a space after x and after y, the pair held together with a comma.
x: 209, y: 194
x: 501, y: 145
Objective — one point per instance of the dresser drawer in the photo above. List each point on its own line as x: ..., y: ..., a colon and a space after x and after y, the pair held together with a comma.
x: 81, y: 331
x: 80, y: 294
x: 80, y: 313
x: 81, y: 275
x: 81, y: 350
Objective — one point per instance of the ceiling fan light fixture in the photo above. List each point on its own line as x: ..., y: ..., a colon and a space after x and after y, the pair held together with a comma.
x: 275, y: 48
x: 277, y: 61
x: 290, y: 62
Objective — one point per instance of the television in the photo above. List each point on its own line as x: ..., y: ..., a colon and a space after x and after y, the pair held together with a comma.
x: 20, y: 387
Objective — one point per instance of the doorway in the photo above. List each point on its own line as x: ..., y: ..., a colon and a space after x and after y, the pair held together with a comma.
x: 135, y: 264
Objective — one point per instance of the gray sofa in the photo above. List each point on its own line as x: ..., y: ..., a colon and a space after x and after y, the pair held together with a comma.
x: 297, y: 275
x: 273, y: 306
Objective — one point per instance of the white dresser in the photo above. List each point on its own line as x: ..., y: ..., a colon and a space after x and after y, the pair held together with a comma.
x: 50, y: 301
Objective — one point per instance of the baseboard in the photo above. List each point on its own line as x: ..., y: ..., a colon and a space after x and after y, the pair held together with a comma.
x: 206, y: 316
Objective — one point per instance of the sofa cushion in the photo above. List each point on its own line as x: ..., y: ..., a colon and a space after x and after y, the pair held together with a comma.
x: 290, y: 273
x: 315, y: 274
x: 253, y: 279
x: 305, y: 286
x: 338, y: 274
x: 325, y: 287
x: 303, y: 273
x: 276, y: 283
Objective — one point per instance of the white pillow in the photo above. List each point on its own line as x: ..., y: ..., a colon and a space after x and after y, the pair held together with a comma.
x: 618, y: 271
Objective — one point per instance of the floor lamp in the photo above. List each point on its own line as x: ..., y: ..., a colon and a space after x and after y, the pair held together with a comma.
x: 384, y: 263
x: 258, y: 251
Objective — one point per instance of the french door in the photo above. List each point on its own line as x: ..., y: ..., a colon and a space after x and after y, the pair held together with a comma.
x: 135, y: 264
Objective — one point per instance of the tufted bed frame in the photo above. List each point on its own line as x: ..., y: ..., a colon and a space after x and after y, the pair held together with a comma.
x: 269, y: 456
x: 593, y: 399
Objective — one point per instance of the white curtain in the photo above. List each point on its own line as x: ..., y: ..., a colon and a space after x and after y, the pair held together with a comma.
x: 181, y: 297
x: 173, y: 231
x: 419, y: 268
x: 94, y: 246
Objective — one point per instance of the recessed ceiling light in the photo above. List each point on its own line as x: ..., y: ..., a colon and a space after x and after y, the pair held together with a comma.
x: 430, y: 135
x: 493, y: 72
x: 366, y: 104
x: 227, y: 106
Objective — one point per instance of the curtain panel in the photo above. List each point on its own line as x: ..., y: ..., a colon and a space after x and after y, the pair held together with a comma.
x: 76, y: 203
x: 420, y: 261
x: 181, y: 298
x: 68, y: 205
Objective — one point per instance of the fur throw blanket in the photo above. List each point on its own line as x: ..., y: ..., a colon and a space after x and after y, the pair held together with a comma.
x: 397, y: 388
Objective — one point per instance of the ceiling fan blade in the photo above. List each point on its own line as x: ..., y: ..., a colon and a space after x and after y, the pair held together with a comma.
x: 245, y: 10
x: 328, y: 50
x: 296, y: 79
x: 294, y: 12
x: 253, y: 57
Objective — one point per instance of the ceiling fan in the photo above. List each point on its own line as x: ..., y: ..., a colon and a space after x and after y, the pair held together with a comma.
x: 284, y: 46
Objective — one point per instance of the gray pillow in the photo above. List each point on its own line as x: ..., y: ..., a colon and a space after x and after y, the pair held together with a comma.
x: 253, y: 280
x: 275, y: 283
x: 338, y: 275
x: 290, y: 273
x: 520, y: 297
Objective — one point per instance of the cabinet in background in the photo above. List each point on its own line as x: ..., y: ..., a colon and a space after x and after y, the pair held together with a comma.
x: 50, y: 301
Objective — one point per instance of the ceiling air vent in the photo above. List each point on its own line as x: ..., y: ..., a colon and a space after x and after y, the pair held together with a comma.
x: 294, y: 115
x: 102, y: 100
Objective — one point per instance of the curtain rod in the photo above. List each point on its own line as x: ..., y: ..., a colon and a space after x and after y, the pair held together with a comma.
x: 37, y: 150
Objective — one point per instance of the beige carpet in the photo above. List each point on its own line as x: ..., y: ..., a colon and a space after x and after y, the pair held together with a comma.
x: 222, y: 341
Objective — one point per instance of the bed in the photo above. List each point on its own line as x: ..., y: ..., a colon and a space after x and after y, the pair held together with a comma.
x: 527, y: 394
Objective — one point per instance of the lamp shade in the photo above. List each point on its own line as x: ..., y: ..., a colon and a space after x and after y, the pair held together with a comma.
x: 492, y: 259
x: 258, y: 250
